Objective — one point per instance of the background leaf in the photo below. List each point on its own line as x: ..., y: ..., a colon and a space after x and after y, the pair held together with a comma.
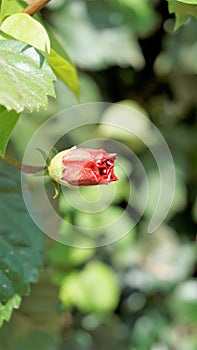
x: 21, y: 243
x: 7, y: 123
x: 26, y: 79
x: 95, y: 46
x: 36, y: 324
x: 183, y: 302
x: 81, y: 289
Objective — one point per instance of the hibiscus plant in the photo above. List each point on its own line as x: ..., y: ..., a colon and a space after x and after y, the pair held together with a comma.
x: 32, y: 60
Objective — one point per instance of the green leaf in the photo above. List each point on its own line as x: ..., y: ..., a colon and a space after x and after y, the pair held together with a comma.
x: 4, y: 36
x: 55, y: 45
x: 36, y: 324
x: 192, y: 2
x: 26, y: 79
x: 64, y: 70
x: 34, y: 34
x: 182, y: 10
x: 9, y: 7
x: 21, y: 243
x: 6, y: 310
x: 7, y: 123
x: 62, y: 65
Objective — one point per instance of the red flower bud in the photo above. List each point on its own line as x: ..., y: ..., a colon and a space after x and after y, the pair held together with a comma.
x: 83, y: 167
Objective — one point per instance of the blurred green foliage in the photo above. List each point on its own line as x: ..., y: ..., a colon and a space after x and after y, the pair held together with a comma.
x: 139, y: 293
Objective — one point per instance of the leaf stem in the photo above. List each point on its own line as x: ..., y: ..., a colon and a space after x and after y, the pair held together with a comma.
x: 35, y: 6
x: 28, y: 169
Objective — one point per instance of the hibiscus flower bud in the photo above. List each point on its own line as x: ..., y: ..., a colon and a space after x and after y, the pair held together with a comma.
x: 83, y: 167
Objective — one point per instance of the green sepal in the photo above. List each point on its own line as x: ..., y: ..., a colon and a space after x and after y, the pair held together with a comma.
x: 48, y: 157
x: 57, y: 189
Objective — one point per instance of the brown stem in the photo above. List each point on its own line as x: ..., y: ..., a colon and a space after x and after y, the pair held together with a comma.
x: 28, y: 169
x: 35, y: 6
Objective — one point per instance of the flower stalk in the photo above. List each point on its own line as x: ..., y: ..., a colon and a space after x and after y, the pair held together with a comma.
x: 28, y: 169
x: 35, y: 6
